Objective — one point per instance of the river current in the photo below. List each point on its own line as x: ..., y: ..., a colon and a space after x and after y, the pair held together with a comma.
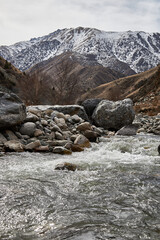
x: 114, y: 194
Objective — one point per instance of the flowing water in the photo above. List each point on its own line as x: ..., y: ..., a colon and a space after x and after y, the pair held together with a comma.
x: 115, y: 194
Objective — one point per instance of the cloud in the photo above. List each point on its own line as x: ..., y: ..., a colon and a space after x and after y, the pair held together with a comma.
x: 22, y: 20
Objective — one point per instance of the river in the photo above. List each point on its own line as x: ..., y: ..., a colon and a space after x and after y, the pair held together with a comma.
x: 115, y: 193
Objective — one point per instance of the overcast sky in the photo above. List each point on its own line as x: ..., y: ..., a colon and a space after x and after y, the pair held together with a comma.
x: 24, y: 19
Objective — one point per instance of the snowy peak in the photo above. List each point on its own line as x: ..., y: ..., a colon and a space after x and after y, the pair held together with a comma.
x: 140, y: 50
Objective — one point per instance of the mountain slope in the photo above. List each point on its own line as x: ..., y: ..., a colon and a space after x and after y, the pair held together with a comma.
x: 10, y: 77
x: 142, y: 88
x: 140, y: 50
x: 69, y: 76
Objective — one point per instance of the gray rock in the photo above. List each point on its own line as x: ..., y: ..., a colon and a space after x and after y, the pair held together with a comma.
x: 28, y: 128
x: 12, y: 110
x: 31, y: 117
x: 90, y: 104
x: 129, y: 130
x: 114, y: 115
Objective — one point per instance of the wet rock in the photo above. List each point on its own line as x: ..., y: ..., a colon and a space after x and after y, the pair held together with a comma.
x: 62, y: 150
x: 82, y: 141
x: 33, y: 145
x: 91, y: 135
x: 76, y: 148
x: 129, y: 130
x: 66, y: 166
x: 12, y: 110
x: 28, y: 128
x: 14, y: 146
x: 114, y: 115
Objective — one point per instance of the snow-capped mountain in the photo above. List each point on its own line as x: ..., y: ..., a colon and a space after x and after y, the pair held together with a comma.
x: 140, y: 50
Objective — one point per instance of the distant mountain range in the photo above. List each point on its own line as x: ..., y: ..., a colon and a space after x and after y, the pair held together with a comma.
x: 122, y: 51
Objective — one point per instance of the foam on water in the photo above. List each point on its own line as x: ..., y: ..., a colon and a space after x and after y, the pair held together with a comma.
x: 113, y: 194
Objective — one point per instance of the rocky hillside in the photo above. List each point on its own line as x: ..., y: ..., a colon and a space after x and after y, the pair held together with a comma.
x: 69, y: 76
x: 10, y: 77
x: 143, y: 89
x: 117, y: 50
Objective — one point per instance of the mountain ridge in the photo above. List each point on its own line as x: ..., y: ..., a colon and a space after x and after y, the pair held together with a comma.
x: 139, y: 50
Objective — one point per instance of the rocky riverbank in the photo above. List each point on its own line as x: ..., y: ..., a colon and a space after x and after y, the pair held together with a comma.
x: 66, y: 129
x: 50, y: 131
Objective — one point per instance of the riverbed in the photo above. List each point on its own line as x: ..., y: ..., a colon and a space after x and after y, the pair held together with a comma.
x: 114, y: 194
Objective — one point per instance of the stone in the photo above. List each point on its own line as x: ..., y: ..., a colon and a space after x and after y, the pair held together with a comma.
x: 91, y: 135
x: 82, y: 141
x: 84, y: 126
x: 65, y: 109
x: 44, y: 122
x: 114, y: 115
x: 76, y: 148
x: 31, y: 117
x: 12, y: 110
x: 2, y: 138
x: 90, y: 105
x: 38, y: 133
x: 60, y: 115
x: 14, y: 146
x: 76, y: 119
x: 42, y: 148
x: 28, y: 128
x: 33, y: 145
x: 55, y: 128
x: 59, y: 136
x: 62, y: 150
x: 51, y: 136
x: 11, y: 135
x: 159, y: 149
x: 66, y: 166
x: 59, y: 143
x: 129, y: 130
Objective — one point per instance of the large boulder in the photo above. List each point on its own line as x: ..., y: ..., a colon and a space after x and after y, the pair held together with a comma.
x: 114, y: 115
x: 12, y: 110
x: 65, y: 109
x: 90, y: 104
